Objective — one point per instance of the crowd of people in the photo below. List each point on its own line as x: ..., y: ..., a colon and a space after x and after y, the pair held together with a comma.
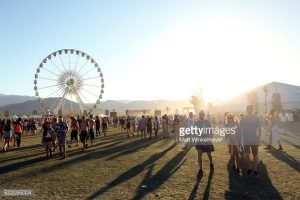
x: 11, y: 132
x: 84, y: 129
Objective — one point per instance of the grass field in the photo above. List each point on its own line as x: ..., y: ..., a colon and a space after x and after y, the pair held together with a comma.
x: 117, y: 167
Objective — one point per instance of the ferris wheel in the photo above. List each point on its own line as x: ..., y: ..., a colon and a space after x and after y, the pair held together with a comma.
x: 68, y: 81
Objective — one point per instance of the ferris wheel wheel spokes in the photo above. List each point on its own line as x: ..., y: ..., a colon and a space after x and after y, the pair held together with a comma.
x: 61, y: 74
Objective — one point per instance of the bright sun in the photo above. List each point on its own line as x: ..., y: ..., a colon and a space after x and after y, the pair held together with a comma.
x: 225, y: 56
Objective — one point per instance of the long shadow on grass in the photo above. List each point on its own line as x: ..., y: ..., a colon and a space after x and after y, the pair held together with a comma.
x: 133, y: 149
x: 93, y: 154
x: 207, y: 188
x: 30, y: 147
x: 20, y: 165
x: 161, y: 176
x: 21, y: 157
x: 251, y: 187
x: 284, y: 157
x: 70, y: 152
x: 290, y: 143
x: 16, y: 166
x: 56, y: 166
x: 195, y: 188
x: 132, y: 172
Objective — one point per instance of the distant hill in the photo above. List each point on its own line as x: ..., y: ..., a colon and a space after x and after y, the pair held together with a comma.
x: 13, y: 99
x: 119, y: 106
x: 290, y: 97
x: 28, y: 106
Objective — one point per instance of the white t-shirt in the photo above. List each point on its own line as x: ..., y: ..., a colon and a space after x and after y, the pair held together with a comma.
x: 282, y: 117
x: 290, y: 117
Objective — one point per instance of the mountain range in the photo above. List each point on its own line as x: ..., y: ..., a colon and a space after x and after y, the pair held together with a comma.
x: 14, y: 99
x: 290, y: 98
x: 30, y: 104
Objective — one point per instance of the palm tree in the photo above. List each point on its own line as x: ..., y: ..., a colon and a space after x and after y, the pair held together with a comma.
x: 266, y: 89
x: 196, y: 102
x: 167, y: 109
x: 276, y: 102
x: 252, y: 99
x: 209, y: 107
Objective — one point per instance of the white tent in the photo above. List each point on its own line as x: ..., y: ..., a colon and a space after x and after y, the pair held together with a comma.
x: 35, y: 116
x: 24, y: 117
x: 290, y: 98
x: 14, y: 117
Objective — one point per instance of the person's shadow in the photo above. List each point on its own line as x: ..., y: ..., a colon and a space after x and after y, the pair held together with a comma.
x: 284, y: 157
x: 260, y: 187
x: 207, y: 188
x: 195, y: 189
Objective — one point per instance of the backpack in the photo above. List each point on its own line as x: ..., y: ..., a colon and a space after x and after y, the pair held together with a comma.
x: 18, y: 128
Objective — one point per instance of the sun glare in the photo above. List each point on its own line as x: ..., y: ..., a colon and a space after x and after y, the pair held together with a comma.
x: 225, y: 56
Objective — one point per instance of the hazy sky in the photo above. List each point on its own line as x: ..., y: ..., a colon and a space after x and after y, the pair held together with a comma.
x: 156, y: 49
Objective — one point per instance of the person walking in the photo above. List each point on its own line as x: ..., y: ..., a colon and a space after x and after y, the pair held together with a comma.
x: 104, y: 126
x: 233, y: 143
x: 61, y: 129
x: 250, y: 127
x: 128, y: 126
x: 7, y: 134
x: 273, y: 129
x: 156, y: 126
x: 142, y: 126
x: 97, y: 123
x: 165, y: 126
x: 83, y: 126
x: 74, y: 131
x: 205, y: 147
x: 149, y: 126
x: 176, y: 127
x: 47, y: 137
x: 92, y: 129
x: 18, y: 131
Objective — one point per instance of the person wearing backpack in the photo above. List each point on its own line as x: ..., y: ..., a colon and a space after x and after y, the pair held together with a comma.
x: 18, y: 131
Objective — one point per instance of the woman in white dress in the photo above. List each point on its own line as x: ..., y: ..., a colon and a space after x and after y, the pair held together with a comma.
x: 273, y: 129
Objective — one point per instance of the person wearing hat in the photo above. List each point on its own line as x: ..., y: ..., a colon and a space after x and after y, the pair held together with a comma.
x: 204, y: 147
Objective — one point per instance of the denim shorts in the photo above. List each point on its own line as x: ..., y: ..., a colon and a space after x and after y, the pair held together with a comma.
x: 61, y: 140
x: 7, y: 134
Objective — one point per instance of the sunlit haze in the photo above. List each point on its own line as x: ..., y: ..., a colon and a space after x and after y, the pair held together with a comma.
x: 156, y: 50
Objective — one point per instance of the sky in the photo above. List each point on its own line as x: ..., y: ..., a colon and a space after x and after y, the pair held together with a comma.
x: 155, y: 49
